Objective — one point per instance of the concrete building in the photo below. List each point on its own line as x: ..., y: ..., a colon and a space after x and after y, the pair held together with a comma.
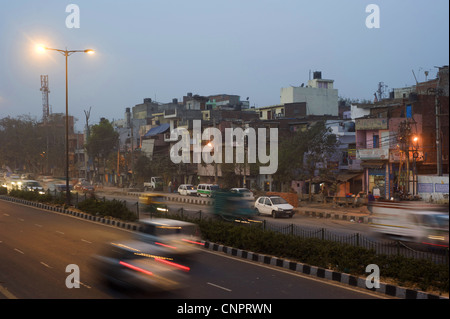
x: 319, y: 95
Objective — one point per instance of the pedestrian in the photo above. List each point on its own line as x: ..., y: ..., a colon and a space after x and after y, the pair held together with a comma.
x: 371, y: 200
x: 170, y: 186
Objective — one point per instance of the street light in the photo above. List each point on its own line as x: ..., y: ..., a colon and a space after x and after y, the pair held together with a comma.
x: 66, y: 53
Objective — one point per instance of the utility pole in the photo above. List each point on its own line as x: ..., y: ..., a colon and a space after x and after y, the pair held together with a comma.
x: 437, y: 105
x: 87, y: 114
x: 438, y: 129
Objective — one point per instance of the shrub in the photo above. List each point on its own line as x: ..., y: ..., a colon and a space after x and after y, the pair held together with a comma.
x: 114, y: 208
x: 327, y: 254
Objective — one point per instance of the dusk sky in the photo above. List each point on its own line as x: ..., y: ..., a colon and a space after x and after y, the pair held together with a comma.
x: 252, y: 48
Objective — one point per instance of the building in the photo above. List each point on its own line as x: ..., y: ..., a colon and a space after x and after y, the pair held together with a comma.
x: 402, y: 140
x: 319, y: 95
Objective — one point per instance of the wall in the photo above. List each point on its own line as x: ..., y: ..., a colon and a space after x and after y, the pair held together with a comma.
x: 433, y: 188
x: 318, y: 101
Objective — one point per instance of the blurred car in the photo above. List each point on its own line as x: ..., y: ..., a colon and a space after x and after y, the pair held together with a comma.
x: 232, y: 206
x: 158, y: 258
x: 187, y: 189
x: 274, y: 206
x: 412, y: 222
x: 153, y: 203
x: 84, y: 187
x: 246, y: 193
x: 32, y: 186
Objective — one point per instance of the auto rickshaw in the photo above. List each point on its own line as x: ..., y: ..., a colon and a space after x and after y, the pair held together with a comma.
x: 153, y: 203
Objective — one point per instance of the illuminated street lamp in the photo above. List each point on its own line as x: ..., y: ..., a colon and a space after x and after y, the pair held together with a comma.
x: 66, y: 53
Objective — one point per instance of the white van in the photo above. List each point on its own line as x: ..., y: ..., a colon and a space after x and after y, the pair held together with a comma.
x: 187, y: 189
x: 206, y: 190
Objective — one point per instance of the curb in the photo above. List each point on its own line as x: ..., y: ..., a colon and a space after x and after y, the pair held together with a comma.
x: 354, y: 281
x: 106, y: 221
x: 336, y: 215
x: 185, y: 199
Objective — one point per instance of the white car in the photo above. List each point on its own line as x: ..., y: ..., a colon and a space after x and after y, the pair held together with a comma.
x: 246, y: 193
x: 187, y: 189
x: 274, y: 206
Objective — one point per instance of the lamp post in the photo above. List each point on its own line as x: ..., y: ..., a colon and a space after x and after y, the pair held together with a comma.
x: 66, y: 53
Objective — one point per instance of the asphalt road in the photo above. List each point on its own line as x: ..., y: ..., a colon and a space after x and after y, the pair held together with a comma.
x: 36, y: 246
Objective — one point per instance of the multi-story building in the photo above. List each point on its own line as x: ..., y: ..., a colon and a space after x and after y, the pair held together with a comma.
x: 397, y: 142
x: 319, y: 95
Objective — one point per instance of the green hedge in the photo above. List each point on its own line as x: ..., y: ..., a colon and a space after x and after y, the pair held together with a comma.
x: 35, y: 196
x: 113, y: 208
x: 423, y: 274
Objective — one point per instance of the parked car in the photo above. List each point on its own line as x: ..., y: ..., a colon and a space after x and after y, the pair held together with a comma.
x: 273, y: 205
x: 187, y: 189
x: 246, y: 193
x: 207, y: 190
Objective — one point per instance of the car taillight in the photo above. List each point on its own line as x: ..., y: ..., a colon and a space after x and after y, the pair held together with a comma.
x: 136, y: 268
x: 165, y: 261
x: 193, y: 242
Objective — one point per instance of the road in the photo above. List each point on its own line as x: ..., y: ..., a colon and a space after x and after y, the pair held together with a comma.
x: 339, y: 227
x: 36, y: 246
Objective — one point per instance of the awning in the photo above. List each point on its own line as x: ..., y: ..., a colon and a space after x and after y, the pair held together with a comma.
x: 347, y: 177
x: 157, y: 130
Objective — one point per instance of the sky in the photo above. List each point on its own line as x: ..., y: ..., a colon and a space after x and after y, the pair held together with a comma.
x: 163, y: 49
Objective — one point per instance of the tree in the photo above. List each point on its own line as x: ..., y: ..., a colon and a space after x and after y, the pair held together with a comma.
x: 300, y: 153
x: 102, y: 141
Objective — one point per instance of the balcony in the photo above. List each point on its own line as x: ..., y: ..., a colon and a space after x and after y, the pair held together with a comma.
x: 367, y: 154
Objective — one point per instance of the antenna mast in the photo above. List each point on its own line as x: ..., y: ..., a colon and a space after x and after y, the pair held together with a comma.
x: 45, y: 91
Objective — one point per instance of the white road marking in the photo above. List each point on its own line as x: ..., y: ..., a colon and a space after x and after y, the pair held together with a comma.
x: 6, y: 293
x: 86, y: 241
x: 217, y: 286
x: 19, y: 251
x: 60, y: 232
x: 84, y: 285
x: 42, y: 263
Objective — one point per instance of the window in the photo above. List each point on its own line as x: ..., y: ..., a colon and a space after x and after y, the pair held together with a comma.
x: 376, y: 141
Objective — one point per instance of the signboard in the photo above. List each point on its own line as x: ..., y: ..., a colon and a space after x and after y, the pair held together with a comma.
x: 425, y: 187
x: 441, y: 188
x: 372, y: 154
x: 371, y: 124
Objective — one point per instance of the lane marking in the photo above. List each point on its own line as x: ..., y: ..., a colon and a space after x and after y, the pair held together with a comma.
x: 42, y: 263
x: 19, y: 251
x: 84, y: 285
x: 305, y: 276
x: 60, y: 232
x: 217, y: 286
x: 5, y: 292
x: 38, y: 225
x: 86, y: 241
